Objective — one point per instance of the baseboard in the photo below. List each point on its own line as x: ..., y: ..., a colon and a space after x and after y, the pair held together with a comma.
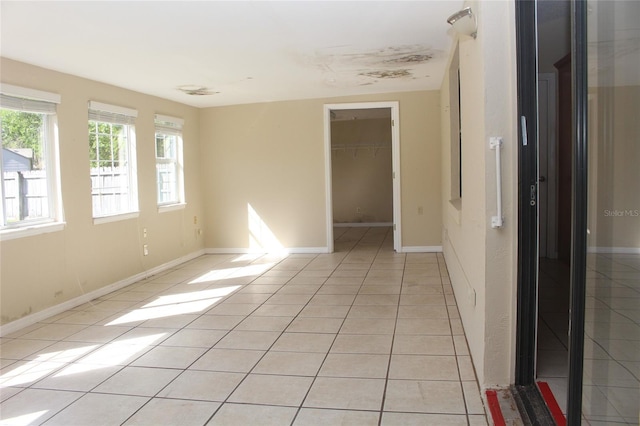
x: 292, y: 250
x: 102, y: 291
x: 613, y: 250
x: 362, y: 224
x: 422, y: 249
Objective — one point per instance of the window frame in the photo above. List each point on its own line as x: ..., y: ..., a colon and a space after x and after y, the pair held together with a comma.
x: 116, y: 115
x: 455, y: 114
x: 50, y: 146
x: 170, y: 126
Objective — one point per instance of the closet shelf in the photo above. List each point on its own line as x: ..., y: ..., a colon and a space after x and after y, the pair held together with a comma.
x: 371, y: 147
x: 343, y: 147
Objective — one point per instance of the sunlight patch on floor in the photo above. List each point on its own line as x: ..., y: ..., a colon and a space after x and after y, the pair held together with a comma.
x: 25, y: 419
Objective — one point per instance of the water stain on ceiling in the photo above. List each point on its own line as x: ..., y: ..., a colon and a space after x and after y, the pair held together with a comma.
x: 348, y: 66
x: 409, y: 59
x: 400, y: 73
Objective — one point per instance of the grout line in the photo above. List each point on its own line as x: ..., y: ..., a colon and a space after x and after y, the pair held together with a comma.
x: 336, y: 334
x: 393, y: 338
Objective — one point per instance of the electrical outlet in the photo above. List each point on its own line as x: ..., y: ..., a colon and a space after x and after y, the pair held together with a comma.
x: 195, y: 220
x: 145, y: 250
x: 144, y: 232
x: 358, y: 210
x: 420, y: 210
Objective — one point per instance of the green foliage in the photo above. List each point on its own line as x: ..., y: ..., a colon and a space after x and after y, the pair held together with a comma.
x: 23, y: 130
x: 105, y: 143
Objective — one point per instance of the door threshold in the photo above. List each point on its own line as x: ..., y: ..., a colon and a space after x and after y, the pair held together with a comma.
x: 532, y: 406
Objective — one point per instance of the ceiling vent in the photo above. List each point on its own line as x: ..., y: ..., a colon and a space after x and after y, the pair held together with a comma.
x: 193, y: 90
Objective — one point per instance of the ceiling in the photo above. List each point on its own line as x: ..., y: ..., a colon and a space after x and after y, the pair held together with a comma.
x: 237, y: 52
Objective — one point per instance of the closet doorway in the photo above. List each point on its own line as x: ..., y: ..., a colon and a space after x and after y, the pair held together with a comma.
x: 362, y: 134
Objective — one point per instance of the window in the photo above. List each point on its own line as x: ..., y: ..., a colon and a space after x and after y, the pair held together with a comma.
x: 112, y: 160
x: 169, y: 174
x: 456, y: 129
x: 30, y: 185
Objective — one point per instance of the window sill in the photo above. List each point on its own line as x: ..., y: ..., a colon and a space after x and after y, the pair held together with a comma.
x: 115, y: 218
x: 29, y: 231
x: 171, y: 207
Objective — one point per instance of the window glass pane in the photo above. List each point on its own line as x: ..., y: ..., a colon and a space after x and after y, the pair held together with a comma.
x: 167, y: 168
x: 24, y: 166
x: 167, y: 184
x: 166, y: 146
x: 160, y: 140
x: 111, y: 179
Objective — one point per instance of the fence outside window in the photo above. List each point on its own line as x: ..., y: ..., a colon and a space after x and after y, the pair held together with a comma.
x: 26, y: 192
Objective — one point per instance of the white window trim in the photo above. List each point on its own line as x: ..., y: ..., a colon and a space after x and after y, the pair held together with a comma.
x: 31, y: 230
x: 56, y: 220
x: 163, y: 208
x: 113, y: 109
x: 178, y: 123
x: 99, y: 220
x: 24, y: 92
x: 132, y: 160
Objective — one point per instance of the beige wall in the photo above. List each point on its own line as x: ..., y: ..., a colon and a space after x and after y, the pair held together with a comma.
x: 40, y: 271
x: 614, y: 131
x: 362, y: 177
x: 265, y: 157
x: 270, y: 156
x: 482, y: 260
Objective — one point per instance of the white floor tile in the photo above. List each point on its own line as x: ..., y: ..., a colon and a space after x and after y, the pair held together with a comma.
x: 309, y: 339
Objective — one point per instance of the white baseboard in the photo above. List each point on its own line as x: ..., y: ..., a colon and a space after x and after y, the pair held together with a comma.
x: 292, y: 250
x: 613, y: 250
x: 77, y: 301
x: 422, y: 249
x: 362, y: 224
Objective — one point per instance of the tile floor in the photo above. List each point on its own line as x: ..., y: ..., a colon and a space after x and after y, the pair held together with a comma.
x: 611, y: 382
x: 363, y: 336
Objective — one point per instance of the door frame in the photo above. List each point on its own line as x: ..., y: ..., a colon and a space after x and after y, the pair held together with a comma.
x: 527, y: 303
x: 394, y: 106
x: 527, y: 291
x: 579, y: 204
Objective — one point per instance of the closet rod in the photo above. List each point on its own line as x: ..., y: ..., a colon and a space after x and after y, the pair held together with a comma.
x: 342, y: 147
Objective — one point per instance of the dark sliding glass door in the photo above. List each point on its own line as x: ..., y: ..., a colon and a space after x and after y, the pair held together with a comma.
x: 603, y: 117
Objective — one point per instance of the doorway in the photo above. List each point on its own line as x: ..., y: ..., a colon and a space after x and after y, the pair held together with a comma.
x: 554, y: 197
x: 543, y: 286
x: 369, y: 109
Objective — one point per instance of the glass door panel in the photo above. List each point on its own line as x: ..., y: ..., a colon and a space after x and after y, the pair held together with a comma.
x: 611, y: 375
